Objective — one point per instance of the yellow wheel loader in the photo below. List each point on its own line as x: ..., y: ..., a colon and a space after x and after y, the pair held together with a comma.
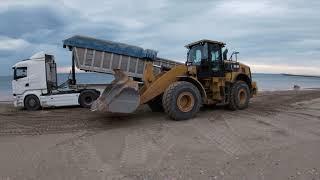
x: 208, y: 77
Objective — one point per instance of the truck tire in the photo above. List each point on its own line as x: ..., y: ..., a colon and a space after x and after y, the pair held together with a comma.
x: 32, y: 103
x: 156, y: 104
x: 181, y: 100
x: 239, y: 96
x: 87, y: 97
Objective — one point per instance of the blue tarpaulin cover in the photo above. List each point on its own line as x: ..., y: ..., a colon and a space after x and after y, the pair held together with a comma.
x: 109, y: 46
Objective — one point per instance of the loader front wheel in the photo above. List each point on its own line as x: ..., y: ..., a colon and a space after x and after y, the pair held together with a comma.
x: 181, y: 100
x: 239, y: 96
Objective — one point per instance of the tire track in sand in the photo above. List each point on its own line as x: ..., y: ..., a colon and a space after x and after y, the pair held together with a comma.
x: 84, y: 156
x: 217, y: 130
x: 135, y: 150
x: 146, y: 147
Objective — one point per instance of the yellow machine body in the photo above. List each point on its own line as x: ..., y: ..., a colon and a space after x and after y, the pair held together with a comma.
x: 210, y: 88
x: 206, y: 78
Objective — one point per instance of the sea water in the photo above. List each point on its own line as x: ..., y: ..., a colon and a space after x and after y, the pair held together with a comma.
x: 265, y: 82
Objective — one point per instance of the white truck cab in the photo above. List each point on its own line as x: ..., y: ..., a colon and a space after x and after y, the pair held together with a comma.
x: 35, y: 86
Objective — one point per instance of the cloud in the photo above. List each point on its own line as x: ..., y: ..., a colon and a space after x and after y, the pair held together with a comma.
x: 276, y: 34
x: 250, y: 8
x: 7, y: 4
x: 11, y: 44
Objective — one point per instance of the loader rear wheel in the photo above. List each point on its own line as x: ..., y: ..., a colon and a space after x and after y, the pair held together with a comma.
x: 181, y: 100
x: 87, y: 97
x: 239, y: 96
x: 32, y: 103
x: 156, y: 104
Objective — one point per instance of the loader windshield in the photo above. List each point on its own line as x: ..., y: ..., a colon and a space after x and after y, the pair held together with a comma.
x: 195, y: 55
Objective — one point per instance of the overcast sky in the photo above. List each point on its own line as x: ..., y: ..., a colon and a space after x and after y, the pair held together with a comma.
x: 272, y: 36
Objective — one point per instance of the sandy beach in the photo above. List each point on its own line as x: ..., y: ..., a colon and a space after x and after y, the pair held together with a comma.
x: 277, y: 137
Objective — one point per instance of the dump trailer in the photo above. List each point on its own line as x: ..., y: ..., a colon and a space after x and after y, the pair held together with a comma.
x: 103, y: 56
x: 207, y: 77
x: 128, y: 64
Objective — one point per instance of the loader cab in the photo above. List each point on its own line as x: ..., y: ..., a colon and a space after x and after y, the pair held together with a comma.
x: 208, y: 57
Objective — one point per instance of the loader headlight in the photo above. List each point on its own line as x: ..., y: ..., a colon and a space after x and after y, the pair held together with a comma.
x: 235, y: 66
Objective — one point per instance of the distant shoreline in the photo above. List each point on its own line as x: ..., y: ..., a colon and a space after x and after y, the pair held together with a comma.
x: 298, y: 75
x: 6, y: 102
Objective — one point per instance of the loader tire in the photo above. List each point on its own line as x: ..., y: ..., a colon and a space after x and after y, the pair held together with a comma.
x: 156, y: 104
x: 32, y: 103
x: 87, y: 97
x: 181, y: 100
x: 239, y: 96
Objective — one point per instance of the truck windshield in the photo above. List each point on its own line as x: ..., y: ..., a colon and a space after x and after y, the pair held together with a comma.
x: 195, y: 55
x: 20, y: 72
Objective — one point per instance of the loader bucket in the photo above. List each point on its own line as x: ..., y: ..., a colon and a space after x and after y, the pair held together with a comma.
x: 121, y: 96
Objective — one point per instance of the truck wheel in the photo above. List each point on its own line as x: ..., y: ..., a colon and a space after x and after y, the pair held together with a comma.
x: 181, y: 100
x: 32, y: 103
x: 156, y: 104
x: 87, y: 97
x: 239, y: 96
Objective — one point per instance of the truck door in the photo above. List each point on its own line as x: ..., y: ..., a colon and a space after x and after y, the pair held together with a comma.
x: 20, y: 81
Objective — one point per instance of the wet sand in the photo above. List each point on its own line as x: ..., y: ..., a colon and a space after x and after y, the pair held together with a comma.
x: 277, y: 137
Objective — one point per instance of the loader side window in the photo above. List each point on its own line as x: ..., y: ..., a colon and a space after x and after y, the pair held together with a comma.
x: 195, y: 55
x: 198, y: 56
x: 215, y: 57
x: 20, y: 72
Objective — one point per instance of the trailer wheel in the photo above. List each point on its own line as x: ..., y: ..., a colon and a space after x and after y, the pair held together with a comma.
x: 156, y: 104
x: 181, y: 100
x: 32, y: 103
x: 87, y: 97
x: 239, y: 96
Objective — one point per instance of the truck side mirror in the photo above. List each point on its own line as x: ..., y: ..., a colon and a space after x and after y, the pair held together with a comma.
x: 14, y: 74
